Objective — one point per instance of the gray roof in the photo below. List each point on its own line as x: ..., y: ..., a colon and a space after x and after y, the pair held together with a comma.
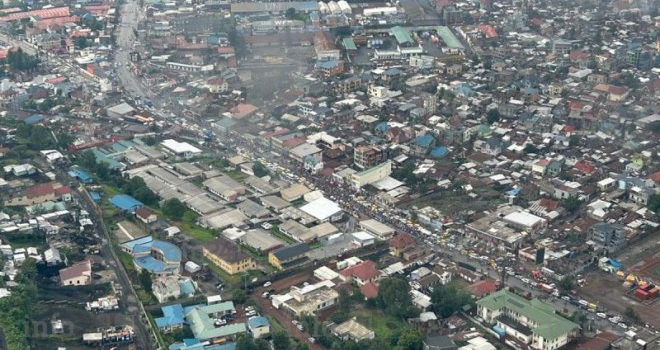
x: 291, y: 251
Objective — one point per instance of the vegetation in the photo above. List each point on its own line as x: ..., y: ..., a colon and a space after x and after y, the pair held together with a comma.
x: 259, y: 169
x: 394, y: 299
x: 239, y: 296
x: 281, y: 341
x: 654, y: 203
x: 571, y: 204
x: 566, y: 284
x: 248, y: 343
x: 35, y: 137
x: 173, y: 209
x: 18, y: 307
x: 492, y: 116
x: 20, y: 61
x: 145, y: 280
x: 448, y: 299
x: 630, y: 314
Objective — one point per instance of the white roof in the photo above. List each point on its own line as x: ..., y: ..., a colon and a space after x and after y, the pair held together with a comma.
x: 321, y: 208
x: 180, y: 147
x: 523, y: 218
x: 325, y: 273
x: 362, y: 236
x: 387, y: 184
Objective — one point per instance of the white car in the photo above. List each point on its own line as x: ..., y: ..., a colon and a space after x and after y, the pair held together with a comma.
x: 267, y: 284
x: 601, y: 315
x: 623, y: 325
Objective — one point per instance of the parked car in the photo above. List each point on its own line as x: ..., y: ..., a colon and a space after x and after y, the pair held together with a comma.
x: 267, y: 284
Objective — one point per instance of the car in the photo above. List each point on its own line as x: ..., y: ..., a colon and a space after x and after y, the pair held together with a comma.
x: 623, y: 325
x: 267, y: 284
x: 294, y: 322
x: 311, y: 340
x: 566, y: 297
x: 613, y: 320
x: 601, y: 315
x: 300, y: 327
x: 265, y: 295
x: 251, y: 313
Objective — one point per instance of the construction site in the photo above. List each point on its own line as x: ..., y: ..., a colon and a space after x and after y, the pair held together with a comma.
x: 617, y: 287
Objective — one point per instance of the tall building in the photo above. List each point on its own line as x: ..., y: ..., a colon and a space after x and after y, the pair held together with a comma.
x: 366, y: 157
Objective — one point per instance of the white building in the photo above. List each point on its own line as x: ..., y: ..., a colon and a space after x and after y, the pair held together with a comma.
x: 371, y: 175
x: 180, y: 149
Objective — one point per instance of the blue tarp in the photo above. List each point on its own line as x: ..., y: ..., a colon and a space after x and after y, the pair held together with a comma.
x: 439, y: 152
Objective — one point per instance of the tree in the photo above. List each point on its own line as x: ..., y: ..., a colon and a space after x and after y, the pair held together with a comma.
x: 654, y: 203
x: 530, y: 148
x: 339, y: 317
x: 173, y: 208
x: 145, y: 280
x: 566, y: 284
x: 259, y: 169
x: 631, y: 315
x: 574, y: 140
x: 492, y: 116
x: 281, y: 341
x: 410, y: 339
x: 302, y: 346
x: 394, y: 299
x: 80, y: 42
x: 571, y: 204
x: 447, y: 299
x: 21, y: 61
x: 239, y: 296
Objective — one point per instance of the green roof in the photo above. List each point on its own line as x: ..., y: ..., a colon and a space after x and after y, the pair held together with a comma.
x: 373, y: 168
x: 349, y: 44
x: 549, y: 325
x: 203, y: 328
x: 401, y: 34
x: 448, y: 37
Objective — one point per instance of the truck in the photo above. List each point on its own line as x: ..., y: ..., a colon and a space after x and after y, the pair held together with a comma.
x: 546, y: 288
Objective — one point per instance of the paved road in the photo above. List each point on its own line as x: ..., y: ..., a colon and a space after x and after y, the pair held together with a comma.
x: 27, y: 48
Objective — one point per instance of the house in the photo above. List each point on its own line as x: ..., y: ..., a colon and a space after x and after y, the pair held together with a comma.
x: 258, y: 326
x: 78, y: 274
x: 201, y: 320
x: 423, y: 144
x: 353, y: 330
x: 532, y: 322
x: 158, y: 257
x: 228, y: 256
x: 362, y: 273
x: 482, y: 288
x: 400, y: 243
x: 172, y: 318
x: 288, y: 256
x: 145, y: 215
x: 439, y: 342
x: 606, y: 236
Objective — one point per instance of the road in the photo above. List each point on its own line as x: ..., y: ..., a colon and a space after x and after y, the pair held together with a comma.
x: 130, y: 15
x: 27, y: 48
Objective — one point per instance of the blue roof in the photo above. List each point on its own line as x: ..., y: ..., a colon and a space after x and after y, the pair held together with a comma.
x: 439, y: 152
x: 194, y: 344
x: 328, y: 64
x: 95, y: 196
x: 187, y: 287
x: 139, y: 241
x: 80, y: 174
x: 256, y: 322
x: 424, y: 140
x: 33, y: 119
x: 382, y: 127
x: 172, y: 315
x: 513, y: 192
x: 125, y: 202
x: 141, y: 249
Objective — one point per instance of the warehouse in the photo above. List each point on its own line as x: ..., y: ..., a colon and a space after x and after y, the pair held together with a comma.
x: 180, y: 149
x: 261, y: 241
x: 377, y: 228
x: 323, y: 210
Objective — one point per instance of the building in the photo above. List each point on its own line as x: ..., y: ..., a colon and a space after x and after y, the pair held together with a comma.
x: 172, y: 318
x: 400, y: 243
x: 440, y: 342
x: 525, y: 221
x: 323, y: 210
x: 607, y: 236
x: 224, y: 187
x: 377, y: 228
x: 371, y: 175
x: 78, y: 274
x: 295, y: 192
x: 325, y: 47
x: 259, y: 326
x: 201, y: 319
x: 353, y: 330
x: 532, y: 322
x: 288, y: 256
x: 310, y: 299
x: 366, y: 157
x: 228, y: 256
x: 158, y: 257
x: 120, y: 111
x: 361, y: 274
x: 180, y: 149
x: 145, y: 215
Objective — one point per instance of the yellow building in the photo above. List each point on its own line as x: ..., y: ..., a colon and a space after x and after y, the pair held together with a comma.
x: 228, y: 256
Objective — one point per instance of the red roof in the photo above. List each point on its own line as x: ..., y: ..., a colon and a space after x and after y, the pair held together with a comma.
x: 578, y: 55
x: 655, y: 176
x: 365, y: 270
x: 42, y: 14
x: 481, y: 288
x: 62, y: 190
x: 487, y: 30
x: 568, y: 128
x: 618, y: 90
x: 56, y: 81
x: 401, y: 241
x: 369, y: 290
x: 584, y: 167
x: 549, y: 204
x: 143, y: 212
x: 76, y: 270
x: 39, y: 190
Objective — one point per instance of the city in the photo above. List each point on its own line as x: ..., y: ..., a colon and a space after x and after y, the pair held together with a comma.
x: 340, y: 175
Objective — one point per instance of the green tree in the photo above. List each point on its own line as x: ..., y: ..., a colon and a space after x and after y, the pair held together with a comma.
x: 492, y: 116
x: 530, y: 148
x: 630, y: 314
x: 654, y: 203
x: 566, y: 284
x: 173, y: 208
x: 145, y: 280
x: 239, y: 296
x: 410, y: 339
x: 447, y: 299
x: 394, y: 299
x: 574, y: 140
x: 302, y: 346
x: 281, y: 341
x: 571, y: 204
x: 259, y: 169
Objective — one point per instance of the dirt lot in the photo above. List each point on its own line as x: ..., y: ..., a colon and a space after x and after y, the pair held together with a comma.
x: 76, y: 321
x: 608, y: 290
